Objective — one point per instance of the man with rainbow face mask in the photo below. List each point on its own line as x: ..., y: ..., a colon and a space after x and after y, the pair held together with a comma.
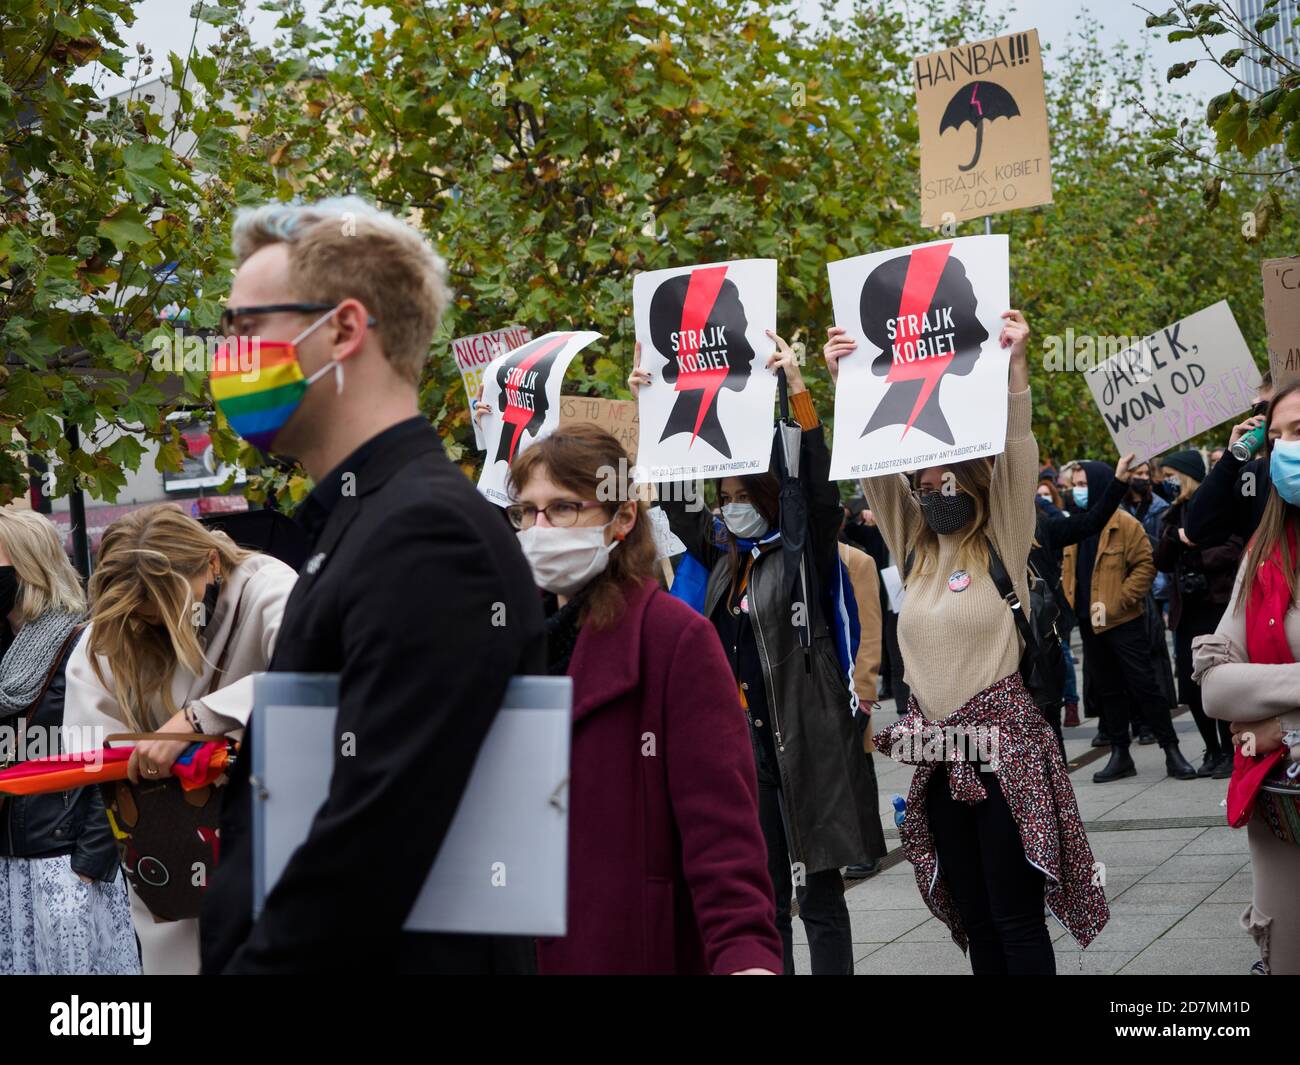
x: 409, y: 572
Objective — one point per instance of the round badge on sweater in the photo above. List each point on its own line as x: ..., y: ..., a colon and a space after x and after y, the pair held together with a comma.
x: 959, y: 581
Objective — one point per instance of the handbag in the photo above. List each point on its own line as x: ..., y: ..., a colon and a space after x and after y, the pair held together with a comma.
x: 1279, y: 803
x: 167, y: 837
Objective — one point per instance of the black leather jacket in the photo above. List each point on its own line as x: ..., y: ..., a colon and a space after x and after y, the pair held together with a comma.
x: 58, y: 822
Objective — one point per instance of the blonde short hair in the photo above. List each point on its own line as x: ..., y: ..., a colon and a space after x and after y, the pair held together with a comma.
x: 35, y: 547
x: 344, y: 248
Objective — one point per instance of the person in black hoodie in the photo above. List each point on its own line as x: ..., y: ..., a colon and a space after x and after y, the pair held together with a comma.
x: 1231, y: 499
x: 1200, y: 588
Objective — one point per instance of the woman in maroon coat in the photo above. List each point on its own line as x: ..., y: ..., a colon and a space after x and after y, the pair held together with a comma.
x: 667, y: 866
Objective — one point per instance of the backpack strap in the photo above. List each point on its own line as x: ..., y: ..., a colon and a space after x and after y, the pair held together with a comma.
x: 1007, y: 590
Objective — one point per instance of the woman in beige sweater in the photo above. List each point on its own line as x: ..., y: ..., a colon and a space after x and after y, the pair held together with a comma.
x: 180, y: 620
x: 988, y: 846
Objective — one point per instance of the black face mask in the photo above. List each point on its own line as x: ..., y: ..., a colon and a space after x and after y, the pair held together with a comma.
x: 1141, y: 485
x: 8, y: 589
x: 210, y: 592
x: 947, y: 514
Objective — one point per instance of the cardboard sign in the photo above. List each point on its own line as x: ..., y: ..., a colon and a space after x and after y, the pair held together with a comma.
x: 1175, y: 384
x: 708, y: 410
x: 982, y: 116
x: 1282, y: 316
x: 473, y: 355
x: 523, y: 389
x: 927, y: 384
x: 617, y: 417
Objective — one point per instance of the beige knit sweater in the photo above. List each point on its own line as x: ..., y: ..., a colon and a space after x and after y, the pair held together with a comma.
x: 957, y: 641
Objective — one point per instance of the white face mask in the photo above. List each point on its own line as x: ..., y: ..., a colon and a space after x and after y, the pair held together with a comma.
x: 564, y: 561
x: 744, y: 520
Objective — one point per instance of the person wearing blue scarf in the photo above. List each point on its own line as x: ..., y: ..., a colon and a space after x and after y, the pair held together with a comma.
x: 805, y: 721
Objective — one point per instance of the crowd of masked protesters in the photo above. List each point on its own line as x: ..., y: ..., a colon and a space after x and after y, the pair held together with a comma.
x: 761, y: 798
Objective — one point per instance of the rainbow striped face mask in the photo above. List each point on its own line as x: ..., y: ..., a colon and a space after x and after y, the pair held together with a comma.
x: 258, y: 405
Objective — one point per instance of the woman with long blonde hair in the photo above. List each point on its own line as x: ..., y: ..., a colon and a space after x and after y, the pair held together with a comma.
x: 989, y: 847
x: 63, y: 902
x: 180, y: 619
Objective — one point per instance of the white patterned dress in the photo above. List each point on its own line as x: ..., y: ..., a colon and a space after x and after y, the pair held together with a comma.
x: 51, y: 923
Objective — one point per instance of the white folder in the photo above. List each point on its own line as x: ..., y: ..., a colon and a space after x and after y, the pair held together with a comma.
x: 503, y: 866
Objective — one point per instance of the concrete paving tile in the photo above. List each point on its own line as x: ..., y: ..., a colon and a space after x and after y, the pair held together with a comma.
x: 884, y: 926
x: 1195, y: 957
x: 1210, y: 920
x: 931, y: 931
x: 1225, y: 840
x: 1238, y: 888
x: 1091, y: 962
x: 1187, y: 868
x: 1145, y: 897
x: 1132, y: 931
x: 898, y: 959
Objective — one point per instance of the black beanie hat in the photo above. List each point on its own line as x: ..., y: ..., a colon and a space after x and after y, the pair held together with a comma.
x: 1188, y: 462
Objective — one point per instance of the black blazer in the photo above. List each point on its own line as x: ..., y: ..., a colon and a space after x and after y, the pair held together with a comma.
x: 55, y: 823
x: 416, y: 593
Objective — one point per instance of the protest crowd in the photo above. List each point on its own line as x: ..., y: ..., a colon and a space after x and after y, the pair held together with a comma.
x: 721, y: 770
x: 620, y: 707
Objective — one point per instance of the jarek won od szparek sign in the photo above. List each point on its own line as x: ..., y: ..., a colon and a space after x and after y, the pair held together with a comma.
x: 927, y: 384
x: 982, y: 117
x: 1175, y: 384
x: 522, y: 388
x: 707, y: 411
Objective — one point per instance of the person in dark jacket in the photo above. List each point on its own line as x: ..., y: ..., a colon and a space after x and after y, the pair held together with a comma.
x: 1200, y: 587
x: 814, y: 791
x: 1055, y: 531
x: 409, y: 576
x: 1230, y: 502
x: 667, y: 866
x: 63, y: 900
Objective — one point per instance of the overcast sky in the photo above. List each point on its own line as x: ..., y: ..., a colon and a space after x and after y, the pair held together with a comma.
x: 165, y: 25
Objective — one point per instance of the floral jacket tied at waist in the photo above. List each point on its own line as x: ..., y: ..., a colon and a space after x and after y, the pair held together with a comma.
x: 1020, y: 749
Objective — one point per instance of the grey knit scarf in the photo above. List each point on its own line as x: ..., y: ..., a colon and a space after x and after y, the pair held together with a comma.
x: 27, y: 662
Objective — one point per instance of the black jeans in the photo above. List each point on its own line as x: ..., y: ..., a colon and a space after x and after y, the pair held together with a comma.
x: 898, y: 689
x: 998, y: 894
x: 1118, y: 664
x: 1199, y: 619
x: 822, y: 908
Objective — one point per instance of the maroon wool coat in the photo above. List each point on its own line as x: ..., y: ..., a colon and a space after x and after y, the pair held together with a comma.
x: 667, y: 864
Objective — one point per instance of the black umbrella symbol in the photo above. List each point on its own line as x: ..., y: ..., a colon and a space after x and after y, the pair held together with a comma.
x: 978, y: 102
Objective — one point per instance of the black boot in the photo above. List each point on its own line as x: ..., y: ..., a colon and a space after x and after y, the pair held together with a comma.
x: 1120, y: 766
x: 1176, y: 765
x: 1209, y: 764
x: 1223, y: 768
x: 1101, y: 739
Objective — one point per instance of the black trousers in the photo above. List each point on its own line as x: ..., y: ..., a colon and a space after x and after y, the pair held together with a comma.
x: 1198, y: 619
x: 998, y: 894
x: 897, y: 687
x: 822, y: 908
x: 1118, y: 665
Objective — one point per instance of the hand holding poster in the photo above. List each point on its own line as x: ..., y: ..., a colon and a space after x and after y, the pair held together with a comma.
x: 707, y: 411
x: 982, y: 117
x: 927, y: 384
x: 1282, y: 316
x: 1176, y: 383
x: 474, y: 353
x: 523, y: 389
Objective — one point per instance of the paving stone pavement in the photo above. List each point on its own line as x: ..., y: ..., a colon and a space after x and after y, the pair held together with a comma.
x: 1177, y: 877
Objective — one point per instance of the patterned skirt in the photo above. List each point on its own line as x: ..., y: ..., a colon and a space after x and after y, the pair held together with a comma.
x: 51, y: 923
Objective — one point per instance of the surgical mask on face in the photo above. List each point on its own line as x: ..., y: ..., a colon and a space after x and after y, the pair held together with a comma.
x: 258, y: 409
x: 947, y: 514
x: 564, y: 561
x: 744, y: 521
x: 1284, y: 470
x: 1080, y: 496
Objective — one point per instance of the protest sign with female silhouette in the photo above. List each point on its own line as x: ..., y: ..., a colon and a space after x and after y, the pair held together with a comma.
x: 927, y: 383
x: 708, y: 408
x: 522, y: 390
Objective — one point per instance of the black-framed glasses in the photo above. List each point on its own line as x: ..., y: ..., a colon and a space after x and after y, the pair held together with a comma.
x: 563, y: 513
x: 232, y: 314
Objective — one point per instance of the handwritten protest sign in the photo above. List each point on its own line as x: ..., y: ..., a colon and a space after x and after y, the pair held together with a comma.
x: 927, y: 384
x: 1176, y: 383
x: 473, y: 354
x: 1282, y: 315
x: 707, y: 411
x: 617, y: 417
x: 982, y: 117
x: 522, y: 388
